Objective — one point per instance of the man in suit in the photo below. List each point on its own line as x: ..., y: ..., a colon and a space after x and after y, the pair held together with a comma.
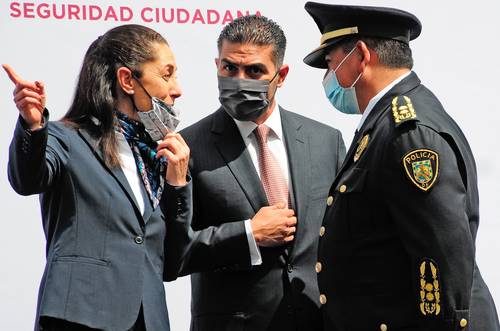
x: 397, y: 245
x: 260, y: 180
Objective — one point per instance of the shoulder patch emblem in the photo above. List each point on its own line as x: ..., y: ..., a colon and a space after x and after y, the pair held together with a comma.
x: 402, y: 110
x: 430, y: 289
x: 422, y: 167
x: 361, y: 147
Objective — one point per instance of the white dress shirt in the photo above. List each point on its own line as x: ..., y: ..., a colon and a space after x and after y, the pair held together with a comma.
x: 377, y: 98
x: 276, y: 144
x: 129, y: 168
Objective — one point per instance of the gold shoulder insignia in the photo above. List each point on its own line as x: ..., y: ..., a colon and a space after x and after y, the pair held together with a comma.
x: 422, y: 167
x: 430, y: 289
x: 402, y: 110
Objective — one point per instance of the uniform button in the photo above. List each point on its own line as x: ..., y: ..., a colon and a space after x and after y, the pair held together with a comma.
x: 289, y: 268
x: 321, y: 231
x: 383, y: 327
x: 139, y: 240
x: 329, y: 201
x: 463, y: 322
x: 342, y: 188
x: 318, y: 267
x: 322, y: 299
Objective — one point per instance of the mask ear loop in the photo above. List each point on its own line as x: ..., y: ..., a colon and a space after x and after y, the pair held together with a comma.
x: 359, y: 76
x: 345, y: 58
x: 140, y: 84
x: 143, y: 88
x: 275, y: 75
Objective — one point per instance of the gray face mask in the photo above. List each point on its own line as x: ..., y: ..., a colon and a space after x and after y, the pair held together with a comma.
x: 244, y: 99
x: 160, y: 120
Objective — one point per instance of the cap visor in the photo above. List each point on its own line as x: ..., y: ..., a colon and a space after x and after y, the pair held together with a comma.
x: 316, y: 58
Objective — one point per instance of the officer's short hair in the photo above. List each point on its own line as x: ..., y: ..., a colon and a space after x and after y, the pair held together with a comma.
x: 391, y: 53
x: 258, y: 30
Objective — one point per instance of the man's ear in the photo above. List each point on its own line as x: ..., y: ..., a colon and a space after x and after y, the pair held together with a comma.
x: 283, y: 72
x: 364, y: 53
x: 217, y: 62
x: 125, y: 80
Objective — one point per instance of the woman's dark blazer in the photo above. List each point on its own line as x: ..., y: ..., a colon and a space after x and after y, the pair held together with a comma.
x: 103, y: 257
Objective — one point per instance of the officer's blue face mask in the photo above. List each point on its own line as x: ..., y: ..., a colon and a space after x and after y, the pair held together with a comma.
x: 342, y: 98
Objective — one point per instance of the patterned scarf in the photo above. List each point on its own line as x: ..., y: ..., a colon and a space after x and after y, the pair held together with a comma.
x: 151, y: 169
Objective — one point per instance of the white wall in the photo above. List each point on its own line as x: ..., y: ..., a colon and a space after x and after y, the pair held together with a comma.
x: 456, y: 57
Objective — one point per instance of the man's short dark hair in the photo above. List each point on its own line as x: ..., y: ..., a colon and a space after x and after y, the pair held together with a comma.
x: 257, y: 30
x: 391, y: 53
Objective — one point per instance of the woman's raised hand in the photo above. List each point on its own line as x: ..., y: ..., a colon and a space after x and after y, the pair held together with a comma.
x: 29, y: 98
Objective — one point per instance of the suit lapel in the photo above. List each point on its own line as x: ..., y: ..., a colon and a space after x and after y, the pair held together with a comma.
x: 296, y: 144
x: 116, y: 172
x: 234, y: 152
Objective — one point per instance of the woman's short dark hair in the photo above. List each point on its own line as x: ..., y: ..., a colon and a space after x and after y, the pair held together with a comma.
x: 95, y: 94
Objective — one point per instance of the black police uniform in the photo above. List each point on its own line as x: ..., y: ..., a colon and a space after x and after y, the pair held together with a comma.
x: 397, y: 244
x: 397, y: 250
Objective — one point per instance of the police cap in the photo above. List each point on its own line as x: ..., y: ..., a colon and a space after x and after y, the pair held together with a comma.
x: 337, y: 22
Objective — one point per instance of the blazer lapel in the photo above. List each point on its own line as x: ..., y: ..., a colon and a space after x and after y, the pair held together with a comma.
x: 234, y: 152
x: 296, y: 144
x: 148, y: 205
x: 116, y: 172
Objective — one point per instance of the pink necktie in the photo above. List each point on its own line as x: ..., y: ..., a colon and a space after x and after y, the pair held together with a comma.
x: 271, y: 175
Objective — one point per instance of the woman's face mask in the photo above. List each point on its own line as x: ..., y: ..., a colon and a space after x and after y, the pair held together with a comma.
x: 343, y: 99
x: 244, y: 99
x: 160, y: 120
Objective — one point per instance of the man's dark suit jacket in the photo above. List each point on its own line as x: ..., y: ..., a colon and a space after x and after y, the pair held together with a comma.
x: 103, y: 257
x: 227, y: 292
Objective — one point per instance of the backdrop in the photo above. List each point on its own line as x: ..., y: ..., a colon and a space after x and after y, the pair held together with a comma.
x: 455, y: 56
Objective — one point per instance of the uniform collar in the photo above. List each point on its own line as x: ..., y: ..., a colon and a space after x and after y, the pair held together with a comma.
x: 379, y: 96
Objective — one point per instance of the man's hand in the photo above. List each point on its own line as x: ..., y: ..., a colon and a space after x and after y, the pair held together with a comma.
x: 29, y: 98
x: 175, y: 149
x: 274, y: 225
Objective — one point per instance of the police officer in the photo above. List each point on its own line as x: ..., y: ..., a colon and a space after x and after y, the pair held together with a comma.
x: 397, y: 244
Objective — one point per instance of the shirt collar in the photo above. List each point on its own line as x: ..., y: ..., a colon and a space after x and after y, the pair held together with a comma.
x: 379, y: 96
x: 273, y: 122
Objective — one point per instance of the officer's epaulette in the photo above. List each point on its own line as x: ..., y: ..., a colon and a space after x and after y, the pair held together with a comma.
x: 402, y: 110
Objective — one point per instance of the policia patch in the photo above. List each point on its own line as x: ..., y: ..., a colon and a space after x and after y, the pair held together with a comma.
x: 422, y: 167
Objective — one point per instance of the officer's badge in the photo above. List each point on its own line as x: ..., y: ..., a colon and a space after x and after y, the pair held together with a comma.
x: 402, y: 110
x: 430, y: 290
x: 361, y: 147
x: 422, y: 167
